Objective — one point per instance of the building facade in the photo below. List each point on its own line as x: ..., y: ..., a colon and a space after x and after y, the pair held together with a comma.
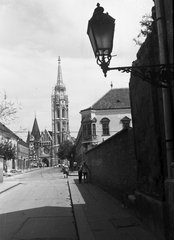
x: 103, y: 119
x: 17, y: 155
x: 46, y: 147
x: 60, y: 114
x: 23, y: 161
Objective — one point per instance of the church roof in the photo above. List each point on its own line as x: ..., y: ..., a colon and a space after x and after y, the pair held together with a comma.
x: 117, y: 98
x: 28, y: 137
x: 46, y: 136
x: 35, y: 131
x: 51, y: 133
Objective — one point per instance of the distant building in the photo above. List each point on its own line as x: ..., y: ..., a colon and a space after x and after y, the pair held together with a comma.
x: 107, y: 116
x: 40, y: 145
x: 46, y: 147
x: 20, y: 159
x: 60, y: 114
x: 23, y: 161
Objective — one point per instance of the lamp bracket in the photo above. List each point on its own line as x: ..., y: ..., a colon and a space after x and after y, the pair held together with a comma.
x: 160, y: 75
x: 104, y: 61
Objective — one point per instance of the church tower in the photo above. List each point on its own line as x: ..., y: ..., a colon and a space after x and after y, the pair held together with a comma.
x: 60, y: 115
x: 33, y: 139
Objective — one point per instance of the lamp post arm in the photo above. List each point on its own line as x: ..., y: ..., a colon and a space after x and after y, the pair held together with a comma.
x: 160, y: 75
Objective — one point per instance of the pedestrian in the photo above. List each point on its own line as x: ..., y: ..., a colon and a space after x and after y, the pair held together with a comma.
x: 85, y: 172
x: 80, y: 168
x: 66, y: 171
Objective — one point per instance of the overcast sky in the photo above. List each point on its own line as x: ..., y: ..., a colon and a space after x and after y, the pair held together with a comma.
x: 33, y: 33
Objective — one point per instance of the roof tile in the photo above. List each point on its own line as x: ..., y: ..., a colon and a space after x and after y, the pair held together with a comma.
x: 115, y: 98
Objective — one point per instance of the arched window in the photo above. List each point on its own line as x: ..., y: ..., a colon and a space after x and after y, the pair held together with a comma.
x: 58, y: 126
x: 58, y: 113
x: 64, y: 126
x: 58, y: 139
x: 126, y: 122
x: 63, y: 112
x: 94, y: 120
x: 105, y: 126
x: 94, y: 129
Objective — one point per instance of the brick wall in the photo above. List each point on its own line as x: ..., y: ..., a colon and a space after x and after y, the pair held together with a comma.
x: 113, y: 165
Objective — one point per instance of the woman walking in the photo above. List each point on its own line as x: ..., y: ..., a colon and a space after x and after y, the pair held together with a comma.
x: 85, y: 172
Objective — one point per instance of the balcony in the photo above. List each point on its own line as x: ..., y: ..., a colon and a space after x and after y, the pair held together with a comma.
x: 90, y: 139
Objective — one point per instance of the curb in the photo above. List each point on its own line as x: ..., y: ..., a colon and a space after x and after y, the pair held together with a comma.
x: 83, y: 227
x: 10, y: 188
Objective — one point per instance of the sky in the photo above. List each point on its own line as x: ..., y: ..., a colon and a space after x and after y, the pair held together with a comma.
x: 33, y: 33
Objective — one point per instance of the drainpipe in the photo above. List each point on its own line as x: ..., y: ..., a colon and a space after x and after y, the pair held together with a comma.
x: 168, y: 211
x: 166, y: 92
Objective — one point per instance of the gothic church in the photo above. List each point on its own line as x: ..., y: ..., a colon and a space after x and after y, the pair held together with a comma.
x: 60, y: 113
x: 43, y: 146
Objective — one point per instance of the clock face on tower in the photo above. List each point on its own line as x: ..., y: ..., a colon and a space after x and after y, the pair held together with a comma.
x: 46, y: 150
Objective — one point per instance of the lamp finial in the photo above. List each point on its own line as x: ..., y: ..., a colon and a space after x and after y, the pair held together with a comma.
x: 111, y: 85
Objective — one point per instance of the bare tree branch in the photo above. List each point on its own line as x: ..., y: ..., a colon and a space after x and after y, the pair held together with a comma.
x: 8, y: 109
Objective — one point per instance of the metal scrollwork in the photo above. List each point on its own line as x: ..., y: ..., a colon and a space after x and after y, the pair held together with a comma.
x: 160, y: 75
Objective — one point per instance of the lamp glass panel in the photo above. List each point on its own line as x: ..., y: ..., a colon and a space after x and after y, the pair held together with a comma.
x: 104, y: 37
x: 91, y: 37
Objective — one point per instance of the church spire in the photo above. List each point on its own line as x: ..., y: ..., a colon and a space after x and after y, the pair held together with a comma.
x: 35, y: 131
x: 59, y: 73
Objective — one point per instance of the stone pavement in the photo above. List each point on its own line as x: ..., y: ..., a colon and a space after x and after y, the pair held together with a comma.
x: 98, y: 215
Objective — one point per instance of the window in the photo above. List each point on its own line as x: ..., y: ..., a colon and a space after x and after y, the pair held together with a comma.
x: 89, y: 129
x: 94, y: 129
x: 63, y: 113
x: 84, y: 130
x: 58, y: 113
x: 64, y: 127
x: 58, y: 126
x: 58, y: 139
x: 126, y: 122
x: 105, y: 129
x: 105, y: 126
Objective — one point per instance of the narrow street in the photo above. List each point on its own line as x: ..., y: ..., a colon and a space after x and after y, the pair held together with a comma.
x: 38, y: 208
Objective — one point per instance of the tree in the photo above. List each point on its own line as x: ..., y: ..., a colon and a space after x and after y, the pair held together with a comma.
x: 66, y: 150
x: 7, y: 149
x: 8, y: 109
x: 146, y: 28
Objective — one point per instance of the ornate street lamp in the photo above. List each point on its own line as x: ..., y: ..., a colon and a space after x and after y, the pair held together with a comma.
x: 101, y: 33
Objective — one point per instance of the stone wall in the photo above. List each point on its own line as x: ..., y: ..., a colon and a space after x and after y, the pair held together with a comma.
x: 146, y: 113
x: 154, y: 195
x: 113, y: 165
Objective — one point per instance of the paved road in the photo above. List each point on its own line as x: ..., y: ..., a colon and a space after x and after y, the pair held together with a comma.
x: 38, y: 208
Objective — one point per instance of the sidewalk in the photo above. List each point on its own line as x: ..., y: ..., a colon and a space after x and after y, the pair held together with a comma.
x: 99, y: 216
